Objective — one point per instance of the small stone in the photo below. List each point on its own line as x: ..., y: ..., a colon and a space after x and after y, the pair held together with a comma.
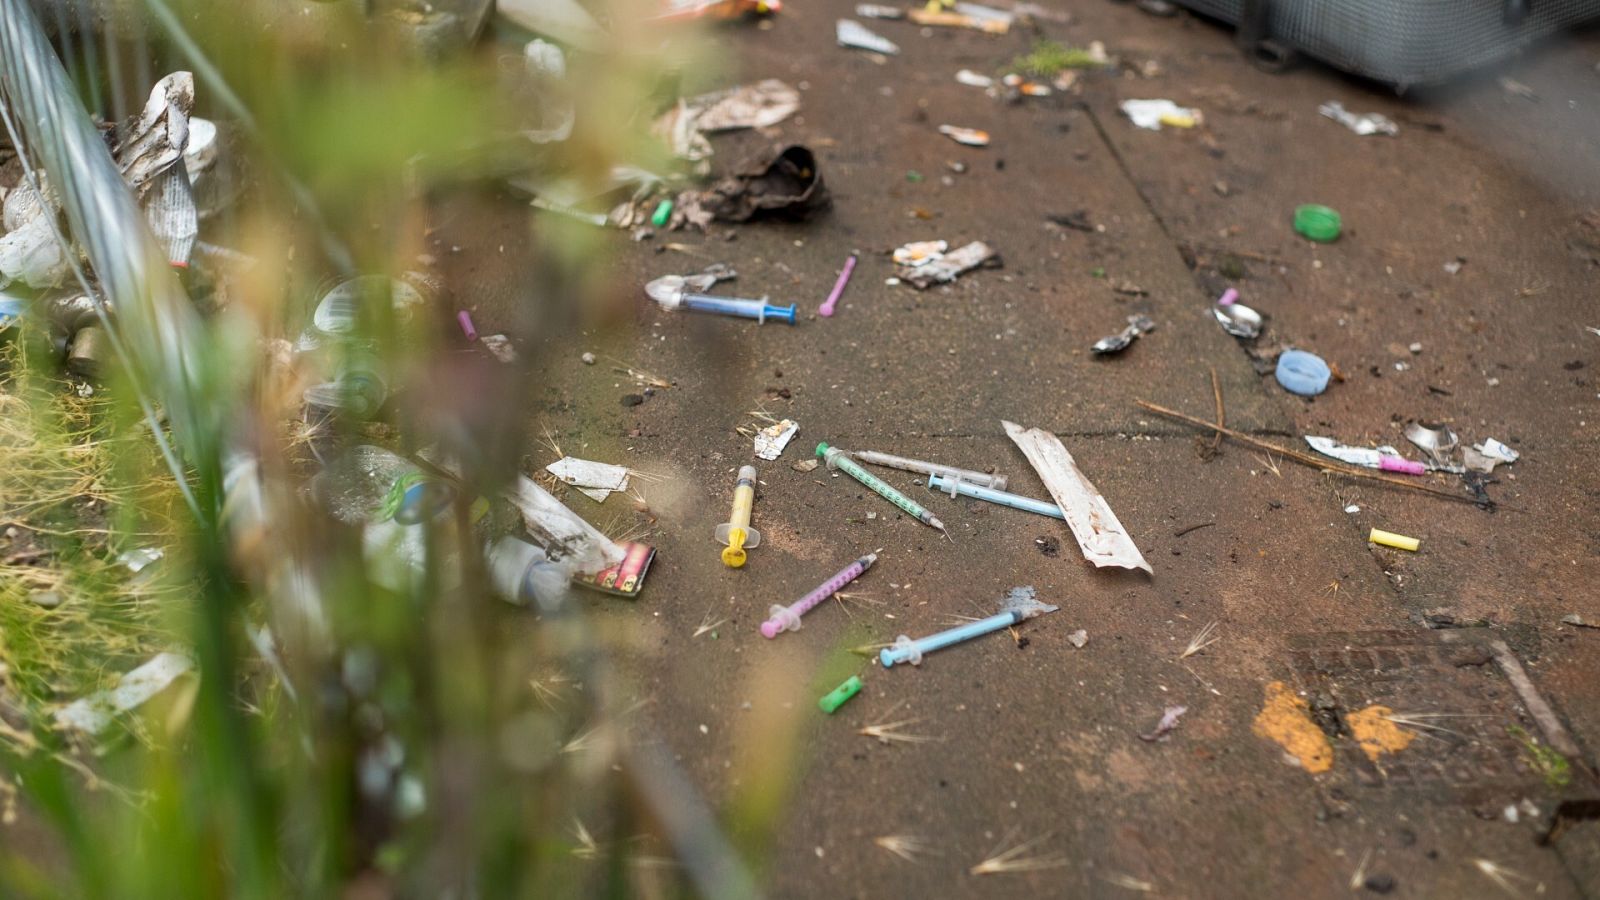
x: 588, y: 359
x: 1078, y: 638
x: 1380, y: 883
x: 46, y: 599
x: 632, y: 399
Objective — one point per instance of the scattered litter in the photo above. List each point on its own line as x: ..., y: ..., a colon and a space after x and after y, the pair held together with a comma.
x: 1116, y: 343
x: 783, y: 183
x: 595, y: 480
x: 806, y: 465
x: 1386, y: 459
x: 1579, y: 621
x: 953, y: 486
x: 1390, y: 539
x: 1100, y: 535
x: 1363, y: 124
x: 973, y: 79
x: 500, y: 347
x: 1353, y: 508
x: 1235, y: 318
x: 626, y: 578
x: 771, y: 440
x: 468, y: 329
x: 139, y: 558
x: 93, y: 713
x: 566, y: 537
x: 831, y: 701
x: 838, y: 459
x: 29, y: 251
x: 853, y: 34
x: 1437, y: 441
x: 1169, y: 721
x: 972, y: 137
x: 878, y: 11
x: 1302, y: 373
x: 1485, y: 456
x: 588, y: 358
x: 969, y: 476
x: 828, y: 305
x: 1454, y: 266
x: 965, y: 15
x: 1152, y: 114
x: 1317, y: 222
x: 1019, y: 605
x: 947, y: 267
x: 1079, y: 638
x: 722, y: 10
x: 736, y: 533
x: 920, y: 253
x: 672, y: 293
x: 787, y: 618
x: 759, y: 105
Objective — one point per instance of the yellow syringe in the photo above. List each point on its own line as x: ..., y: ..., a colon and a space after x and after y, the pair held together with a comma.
x: 737, y: 533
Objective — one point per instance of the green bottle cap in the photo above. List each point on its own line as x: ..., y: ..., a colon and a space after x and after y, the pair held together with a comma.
x: 1319, y: 223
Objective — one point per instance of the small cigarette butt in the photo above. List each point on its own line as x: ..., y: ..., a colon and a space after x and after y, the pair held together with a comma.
x: 1390, y: 539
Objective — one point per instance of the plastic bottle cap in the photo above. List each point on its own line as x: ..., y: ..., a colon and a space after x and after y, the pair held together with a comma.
x: 1317, y: 222
x: 1303, y: 373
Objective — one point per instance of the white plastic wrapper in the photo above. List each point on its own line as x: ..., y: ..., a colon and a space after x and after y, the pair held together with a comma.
x: 93, y: 713
x: 1100, y: 535
x: 596, y: 480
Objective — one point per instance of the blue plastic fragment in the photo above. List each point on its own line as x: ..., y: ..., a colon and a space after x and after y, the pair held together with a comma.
x: 1303, y: 373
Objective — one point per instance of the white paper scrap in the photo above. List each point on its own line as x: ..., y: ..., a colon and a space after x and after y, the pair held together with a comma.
x: 850, y: 33
x: 1152, y: 114
x: 595, y: 480
x: 771, y: 440
x: 93, y: 713
x: 1100, y: 536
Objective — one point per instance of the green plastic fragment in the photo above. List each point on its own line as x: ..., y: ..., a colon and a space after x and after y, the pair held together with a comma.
x: 837, y: 697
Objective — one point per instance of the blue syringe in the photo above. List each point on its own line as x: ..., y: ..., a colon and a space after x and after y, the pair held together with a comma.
x: 1004, y: 498
x: 676, y: 296
x: 1018, y: 606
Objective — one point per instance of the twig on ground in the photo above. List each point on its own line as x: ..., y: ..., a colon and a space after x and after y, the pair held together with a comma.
x: 1303, y: 457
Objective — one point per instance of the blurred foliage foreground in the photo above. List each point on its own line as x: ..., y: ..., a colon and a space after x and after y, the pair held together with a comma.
x: 331, y: 730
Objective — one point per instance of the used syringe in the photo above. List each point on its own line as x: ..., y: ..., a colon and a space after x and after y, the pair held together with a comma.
x: 838, y: 459
x: 1015, y: 501
x: 736, y: 532
x: 1018, y: 606
x: 981, y: 479
x: 760, y: 310
x: 787, y: 618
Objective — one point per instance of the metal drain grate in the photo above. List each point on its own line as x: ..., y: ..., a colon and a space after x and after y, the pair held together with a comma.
x: 1453, y: 684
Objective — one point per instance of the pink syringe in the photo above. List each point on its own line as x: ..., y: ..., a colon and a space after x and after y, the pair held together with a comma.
x: 787, y: 618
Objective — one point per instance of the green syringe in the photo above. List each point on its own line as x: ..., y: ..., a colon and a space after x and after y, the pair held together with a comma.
x: 838, y: 459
